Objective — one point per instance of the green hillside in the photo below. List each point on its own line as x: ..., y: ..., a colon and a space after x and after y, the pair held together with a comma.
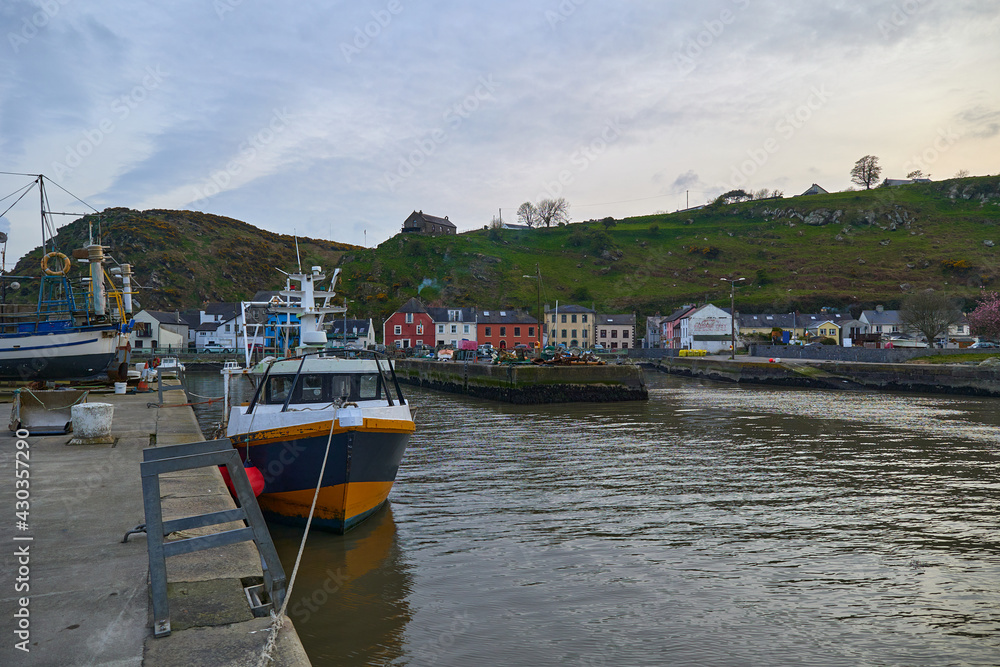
x: 850, y: 249
x: 182, y: 259
x: 838, y: 250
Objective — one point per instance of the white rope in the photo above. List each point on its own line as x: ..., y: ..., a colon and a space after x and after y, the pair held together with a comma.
x: 277, y: 620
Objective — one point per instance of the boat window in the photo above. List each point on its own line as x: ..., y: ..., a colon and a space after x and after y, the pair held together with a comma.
x: 312, y: 388
x: 340, y: 386
x: 277, y: 389
x: 368, y: 387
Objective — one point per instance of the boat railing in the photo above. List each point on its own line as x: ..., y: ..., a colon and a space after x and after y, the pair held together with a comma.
x: 350, y: 354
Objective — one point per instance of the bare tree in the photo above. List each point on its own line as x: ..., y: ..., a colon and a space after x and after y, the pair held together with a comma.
x: 929, y: 312
x: 866, y: 171
x: 527, y: 213
x: 961, y: 173
x: 553, y: 211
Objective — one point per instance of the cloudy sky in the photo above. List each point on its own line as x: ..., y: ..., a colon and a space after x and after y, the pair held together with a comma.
x: 336, y: 119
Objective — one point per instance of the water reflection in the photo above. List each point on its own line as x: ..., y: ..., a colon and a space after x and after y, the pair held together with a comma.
x: 711, y: 525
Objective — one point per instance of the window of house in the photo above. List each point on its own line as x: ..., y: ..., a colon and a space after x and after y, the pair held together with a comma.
x: 517, y: 332
x: 440, y: 328
x: 573, y: 318
x: 465, y: 328
x: 624, y: 345
x: 409, y: 318
x: 553, y: 319
x: 420, y: 329
x: 406, y: 342
x: 489, y: 331
x: 503, y: 331
x: 574, y: 333
x: 614, y: 333
x: 454, y: 328
x: 604, y: 333
x: 420, y: 341
x: 614, y: 346
x: 584, y: 318
x: 228, y: 328
x: 564, y: 319
x: 440, y: 342
x: 584, y: 333
x: 563, y: 333
x: 398, y: 329
x: 531, y: 332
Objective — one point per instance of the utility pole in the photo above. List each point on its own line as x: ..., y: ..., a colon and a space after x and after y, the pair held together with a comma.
x: 732, y: 312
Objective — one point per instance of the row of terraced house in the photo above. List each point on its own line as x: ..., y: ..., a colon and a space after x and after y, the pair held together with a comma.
x: 416, y: 325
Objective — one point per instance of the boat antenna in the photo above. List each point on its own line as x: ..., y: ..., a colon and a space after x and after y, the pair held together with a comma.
x: 297, y: 258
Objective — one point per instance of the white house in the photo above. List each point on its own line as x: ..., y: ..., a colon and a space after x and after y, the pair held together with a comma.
x: 453, y: 325
x: 707, y: 328
x: 156, y: 329
x: 359, y: 333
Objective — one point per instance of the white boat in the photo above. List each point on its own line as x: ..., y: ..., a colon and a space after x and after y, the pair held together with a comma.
x: 78, y: 328
x: 341, y: 407
x: 170, y: 367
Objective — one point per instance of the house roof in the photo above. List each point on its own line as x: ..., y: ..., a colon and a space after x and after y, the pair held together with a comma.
x: 620, y: 320
x: 431, y: 218
x: 570, y: 308
x: 787, y: 320
x: 441, y: 314
x: 505, y: 317
x: 412, y: 306
x: 814, y: 190
x: 679, y: 313
x: 164, y: 317
x: 360, y: 327
x: 875, y: 317
x: 226, y: 310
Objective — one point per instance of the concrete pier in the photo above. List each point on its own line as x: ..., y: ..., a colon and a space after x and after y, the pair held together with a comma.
x: 527, y: 383
x: 88, y: 593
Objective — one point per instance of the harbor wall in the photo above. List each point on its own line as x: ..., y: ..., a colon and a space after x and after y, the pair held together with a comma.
x: 527, y: 383
x: 971, y: 380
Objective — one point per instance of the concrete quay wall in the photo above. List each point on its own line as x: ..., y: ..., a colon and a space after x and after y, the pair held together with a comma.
x: 89, y: 599
x: 927, y: 378
x: 527, y: 383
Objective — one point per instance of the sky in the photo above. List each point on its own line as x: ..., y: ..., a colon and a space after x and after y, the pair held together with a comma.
x: 337, y: 119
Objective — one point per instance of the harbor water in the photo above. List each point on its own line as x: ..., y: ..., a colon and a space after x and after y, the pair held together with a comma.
x: 711, y: 525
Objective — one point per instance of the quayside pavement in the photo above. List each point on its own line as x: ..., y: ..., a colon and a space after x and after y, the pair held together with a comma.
x: 71, y: 593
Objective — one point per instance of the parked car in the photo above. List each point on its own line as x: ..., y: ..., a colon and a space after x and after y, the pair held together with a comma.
x: 216, y: 348
x: 983, y: 344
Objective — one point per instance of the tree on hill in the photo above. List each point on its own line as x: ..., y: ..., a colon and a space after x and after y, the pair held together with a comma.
x: 553, y: 211
x: 930, y: 312
x: 961, y: 173
x: 984, y: 321
x: 527, y: 214
x: 866, y: 171
x: 608, y: 222
x: 733, y: 196
x: 917, y: 173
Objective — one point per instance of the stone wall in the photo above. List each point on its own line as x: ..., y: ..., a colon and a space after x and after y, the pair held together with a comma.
x: 527, y: 384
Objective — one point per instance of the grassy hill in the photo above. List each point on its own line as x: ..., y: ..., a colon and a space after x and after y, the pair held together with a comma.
x: 184, y: 258
x: 849, y: 249
x: 838, y: 250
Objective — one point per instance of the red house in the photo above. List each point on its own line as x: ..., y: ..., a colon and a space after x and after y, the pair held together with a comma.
x: 410, y: 326
x: 506, y: 328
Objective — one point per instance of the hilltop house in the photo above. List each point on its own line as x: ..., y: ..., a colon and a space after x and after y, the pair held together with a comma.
x: 506, y: 328
x: 814, y: 190
x: 615, y: 331
x: 452, y: 325
x: 570, y: 325
x: 420, y: 223
x: 410, y: 326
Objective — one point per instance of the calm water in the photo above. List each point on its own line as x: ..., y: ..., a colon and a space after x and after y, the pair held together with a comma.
x: 713, y: 525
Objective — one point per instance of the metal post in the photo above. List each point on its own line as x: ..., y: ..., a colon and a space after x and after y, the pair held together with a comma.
x: 732, y: 313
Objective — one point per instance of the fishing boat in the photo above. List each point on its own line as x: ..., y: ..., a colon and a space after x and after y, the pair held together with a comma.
x: 79, y: 326
x: 334, y: 419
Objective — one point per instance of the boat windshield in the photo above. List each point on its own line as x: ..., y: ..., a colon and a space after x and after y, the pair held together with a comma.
x: 324, y: 388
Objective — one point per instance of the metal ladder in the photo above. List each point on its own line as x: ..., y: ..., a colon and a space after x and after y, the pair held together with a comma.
x: 159, y: 460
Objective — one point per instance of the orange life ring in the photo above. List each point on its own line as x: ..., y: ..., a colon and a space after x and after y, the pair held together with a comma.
x: 65, y: 260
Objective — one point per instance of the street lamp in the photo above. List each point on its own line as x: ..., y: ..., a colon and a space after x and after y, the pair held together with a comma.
x: 538, y: 298
x: 732, y: 312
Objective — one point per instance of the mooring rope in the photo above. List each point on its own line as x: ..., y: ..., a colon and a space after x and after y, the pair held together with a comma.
x: 277, y: 620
